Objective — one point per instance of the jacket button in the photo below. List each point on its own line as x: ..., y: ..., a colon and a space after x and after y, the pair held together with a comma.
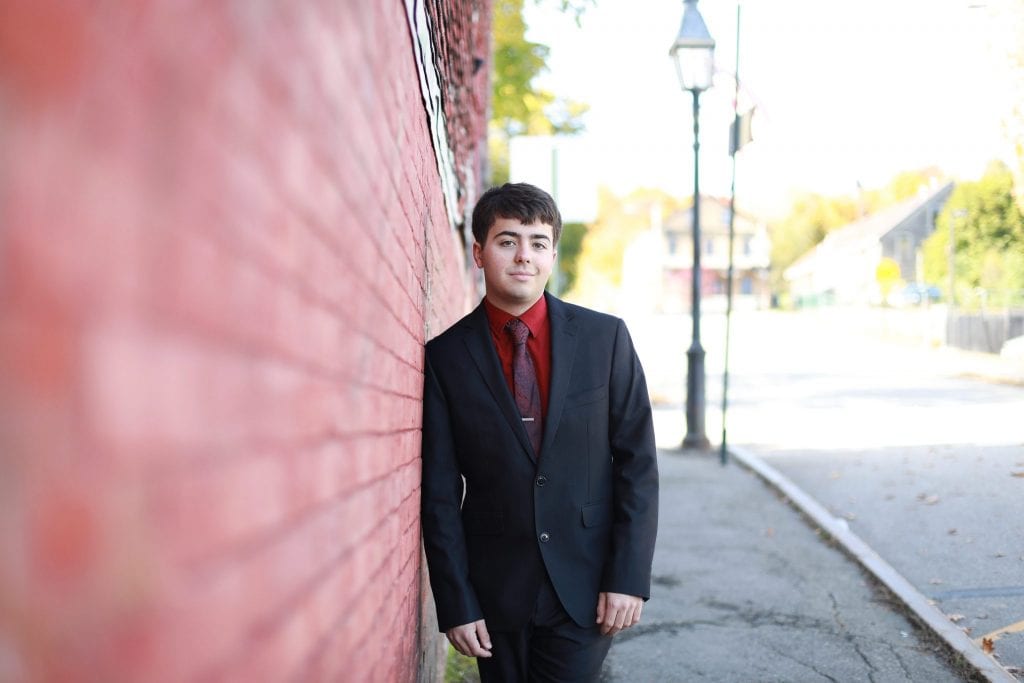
x: 545, y: 537
x: 541, y: 480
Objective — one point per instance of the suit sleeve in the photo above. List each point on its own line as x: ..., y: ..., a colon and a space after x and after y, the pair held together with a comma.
x: 443, y: 538
x: 634, y: 471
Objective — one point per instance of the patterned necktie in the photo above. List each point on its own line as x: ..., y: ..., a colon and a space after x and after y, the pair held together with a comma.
x: 524, y: 382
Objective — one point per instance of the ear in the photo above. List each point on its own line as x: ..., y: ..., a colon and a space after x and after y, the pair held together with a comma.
x: 478, y: 255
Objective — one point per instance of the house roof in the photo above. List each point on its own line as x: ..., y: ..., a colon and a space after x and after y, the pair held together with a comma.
x: 713, y: 212
x: 868, y: 230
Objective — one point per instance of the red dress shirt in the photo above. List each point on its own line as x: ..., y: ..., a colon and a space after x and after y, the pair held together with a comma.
x: 538, y: 344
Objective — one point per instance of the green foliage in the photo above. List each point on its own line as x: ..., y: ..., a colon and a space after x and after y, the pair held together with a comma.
x: 905, y: 185
x: 570, y: 245
x: 518, y: 106
x: 988, y: 230
x: 811, y: 218
x: 460, y: 669
x: 517, y: 61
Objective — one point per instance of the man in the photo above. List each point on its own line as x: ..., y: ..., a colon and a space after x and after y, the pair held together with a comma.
x: 540, y: 482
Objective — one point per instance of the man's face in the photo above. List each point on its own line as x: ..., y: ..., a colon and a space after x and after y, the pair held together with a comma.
x: 517, y: 261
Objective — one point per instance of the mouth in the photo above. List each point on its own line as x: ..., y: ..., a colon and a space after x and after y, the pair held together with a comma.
x: 521, y: 276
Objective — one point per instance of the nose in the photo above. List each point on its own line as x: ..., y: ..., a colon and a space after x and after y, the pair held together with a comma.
x: 523, y: 254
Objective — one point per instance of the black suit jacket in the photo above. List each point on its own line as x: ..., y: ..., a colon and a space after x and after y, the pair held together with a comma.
x: 495, y: 515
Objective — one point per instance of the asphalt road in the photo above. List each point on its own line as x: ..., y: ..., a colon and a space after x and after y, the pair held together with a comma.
x: 744, y: 589
x: 924, y: 465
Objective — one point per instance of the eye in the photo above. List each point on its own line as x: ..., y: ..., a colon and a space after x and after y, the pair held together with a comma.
x: 540, y: 245
x: 507, y: 243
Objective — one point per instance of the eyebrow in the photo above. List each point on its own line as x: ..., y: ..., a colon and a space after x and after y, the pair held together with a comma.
x: 534, y: 236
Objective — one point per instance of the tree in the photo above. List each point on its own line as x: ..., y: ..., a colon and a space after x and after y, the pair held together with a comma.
x: 619, y: 221
x: 518, y: 106
x: 570, y: 245
x: 811, y: 218
x: 887, y: 275
x: 988, y: 230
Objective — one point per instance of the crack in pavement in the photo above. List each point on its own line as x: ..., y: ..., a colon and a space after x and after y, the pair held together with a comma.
x: 786, y: 655
x: 835, y: 611
x: 860, y: 653
x: 751, y: 616
x: 900, y: 660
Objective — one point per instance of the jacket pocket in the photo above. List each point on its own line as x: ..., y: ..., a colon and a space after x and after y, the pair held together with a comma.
x: 483, y: 524
x: 582, y: 398
x: 597, y: 514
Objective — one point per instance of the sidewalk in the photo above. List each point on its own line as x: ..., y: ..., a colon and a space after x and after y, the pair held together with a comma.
x: 746, y: 590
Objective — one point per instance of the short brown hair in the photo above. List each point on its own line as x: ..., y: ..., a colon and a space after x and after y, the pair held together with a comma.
x: 518, y: 201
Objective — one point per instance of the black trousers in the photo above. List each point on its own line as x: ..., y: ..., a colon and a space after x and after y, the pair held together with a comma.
x: 551, y: 648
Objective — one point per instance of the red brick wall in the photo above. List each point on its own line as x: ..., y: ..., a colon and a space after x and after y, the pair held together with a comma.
x: 222, y: 243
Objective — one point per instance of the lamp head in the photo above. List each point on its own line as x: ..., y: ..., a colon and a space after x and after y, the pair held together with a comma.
x: 694, y: 50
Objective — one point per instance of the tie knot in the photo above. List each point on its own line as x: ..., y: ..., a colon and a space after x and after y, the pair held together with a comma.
x: 518, y: 329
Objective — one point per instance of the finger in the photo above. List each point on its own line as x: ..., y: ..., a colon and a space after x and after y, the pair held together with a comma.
x: 606, y: 624
x: 601, y: 603
x: 484, y: 638
x: 610, y: 626
x: 460, y: 646
x: 462, y: 639
x: 475, y: 649
x: 636, y: 615
x: 621, y: 618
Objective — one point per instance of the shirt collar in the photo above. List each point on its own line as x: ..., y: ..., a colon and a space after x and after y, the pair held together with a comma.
x: 533, y: 317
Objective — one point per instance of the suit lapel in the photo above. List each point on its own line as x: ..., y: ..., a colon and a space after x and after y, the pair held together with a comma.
x: 563, y: 352
x: 481, y: 348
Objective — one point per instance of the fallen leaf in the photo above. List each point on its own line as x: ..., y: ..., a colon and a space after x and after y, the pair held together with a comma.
x: 935, y: 582
x: 835, y: 475
x: 951, y: 532
x: 931, y: 500
x: 988, y: 646
x: 955, y: 617
x: 1019, y: 475
x: 769, y: 532
x: 997, y: 555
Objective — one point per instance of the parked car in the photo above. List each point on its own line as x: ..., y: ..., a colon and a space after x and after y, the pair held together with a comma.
x: 915, y: 294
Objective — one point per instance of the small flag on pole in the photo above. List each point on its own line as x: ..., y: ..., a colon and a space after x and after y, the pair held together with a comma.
x: 736, y: 142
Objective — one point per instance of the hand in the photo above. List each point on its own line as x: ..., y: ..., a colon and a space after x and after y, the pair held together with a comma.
x: 471, y: 640
x: 616, y: 611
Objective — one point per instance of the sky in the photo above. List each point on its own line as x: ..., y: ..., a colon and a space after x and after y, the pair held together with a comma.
x: 846, y: 93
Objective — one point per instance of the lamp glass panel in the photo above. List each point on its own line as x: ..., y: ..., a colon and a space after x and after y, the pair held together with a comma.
x: 695, y: 67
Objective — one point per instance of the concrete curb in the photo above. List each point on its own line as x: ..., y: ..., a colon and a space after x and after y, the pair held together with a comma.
x: 871, y: 561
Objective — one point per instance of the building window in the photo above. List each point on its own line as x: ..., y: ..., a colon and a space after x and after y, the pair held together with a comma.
x: 747, y: 240
x: 709, y: 246
x: 671, y: 242
x: 747, y: 285
x: 905, y: 248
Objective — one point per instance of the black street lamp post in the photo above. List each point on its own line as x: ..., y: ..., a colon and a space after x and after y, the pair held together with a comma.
x: 694, y: 54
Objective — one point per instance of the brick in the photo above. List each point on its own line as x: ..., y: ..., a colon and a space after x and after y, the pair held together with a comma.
x: 224, y: 245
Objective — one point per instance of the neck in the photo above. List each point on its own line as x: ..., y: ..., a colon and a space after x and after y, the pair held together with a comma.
x: 513, y: 308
